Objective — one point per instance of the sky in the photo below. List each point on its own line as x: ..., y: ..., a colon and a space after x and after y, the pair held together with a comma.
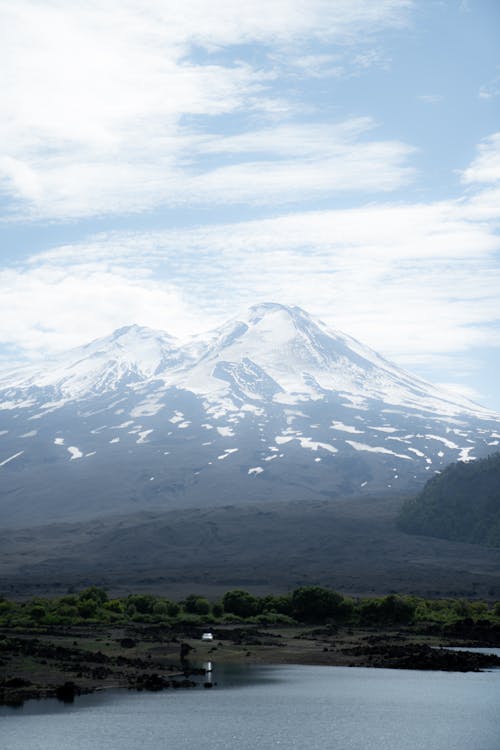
x: 169, y: 164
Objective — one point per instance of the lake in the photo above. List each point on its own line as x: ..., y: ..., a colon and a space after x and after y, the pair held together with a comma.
x: 274, y: 707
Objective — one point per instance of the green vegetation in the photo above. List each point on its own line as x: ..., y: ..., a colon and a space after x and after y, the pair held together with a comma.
x: 461, y: 504
x: 305, y: 605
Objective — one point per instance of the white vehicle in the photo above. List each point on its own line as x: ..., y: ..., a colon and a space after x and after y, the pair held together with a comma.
x: 207, y: 637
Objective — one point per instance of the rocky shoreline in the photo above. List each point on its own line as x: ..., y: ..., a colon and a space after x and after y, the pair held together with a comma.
x: 66, y: 662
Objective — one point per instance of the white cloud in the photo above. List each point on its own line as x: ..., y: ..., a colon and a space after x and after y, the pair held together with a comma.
x: 461, y: 389
x: 486, y: 166
x: 51, y: 308
x: 431, y: 98
x: 415, y: 281
x: 98, y: 99
x: 490, y: 90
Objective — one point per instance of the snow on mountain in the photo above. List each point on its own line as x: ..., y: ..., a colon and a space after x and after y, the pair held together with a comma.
x: 304, y: 358
x: 271, y: 404
x: 133, y: 353
x: 271, y: 350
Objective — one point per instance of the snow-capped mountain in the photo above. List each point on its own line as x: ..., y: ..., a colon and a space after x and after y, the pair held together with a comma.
x: 273, y: 404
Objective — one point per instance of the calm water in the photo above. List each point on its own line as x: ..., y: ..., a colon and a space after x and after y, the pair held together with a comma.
x: 314, y: 708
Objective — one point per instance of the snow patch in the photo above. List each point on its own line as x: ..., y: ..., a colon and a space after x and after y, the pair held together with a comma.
x: 313, y: 445
x: 75, y: 452
x: 252, y: 409
x: 98, y: 429
x: 417, y: 452
x: 345, y: 428
x: 225, y: 431
x: 280, y: 439
x: 10, y: 405
x: 147, y: 408
x: 255, y: 470
x: 58, y: 441
x: 178, y: 417
x: 356, y: 402
x: 227, y: 453
x: 445, y: 441
x: 376, y: 449
x: 464, y: 454
x: 143, y: 436
x: 11, y: 458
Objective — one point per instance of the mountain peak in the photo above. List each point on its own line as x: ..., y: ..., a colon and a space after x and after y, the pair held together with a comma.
x: 135, y: 331
x: 264, y: 310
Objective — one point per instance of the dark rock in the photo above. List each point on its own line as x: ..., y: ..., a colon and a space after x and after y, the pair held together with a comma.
x: 15, y: 682
x: 128, y: 643
x: 422, y: 656
x: 67, y: 692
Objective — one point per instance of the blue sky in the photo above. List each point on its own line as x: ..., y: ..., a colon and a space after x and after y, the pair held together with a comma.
x: 168, y: 167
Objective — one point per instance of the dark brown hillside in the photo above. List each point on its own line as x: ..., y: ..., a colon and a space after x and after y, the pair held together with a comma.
x: 352, y: 546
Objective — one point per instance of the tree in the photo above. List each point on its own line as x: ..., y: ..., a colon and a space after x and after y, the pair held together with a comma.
x: 197, y: 605
x: 280, y: 604
x: 87, y: 608
x: 315, y: 604
x: 141, y: 603
x: 389, y: 610
x: 217, y: 609
x: 95, y: 593
x: 240, y: 603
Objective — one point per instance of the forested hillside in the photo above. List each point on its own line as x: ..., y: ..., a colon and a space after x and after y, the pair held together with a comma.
x: 462, y: 504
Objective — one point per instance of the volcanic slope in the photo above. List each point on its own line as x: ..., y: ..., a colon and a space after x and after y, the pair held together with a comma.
x: 272, y: 405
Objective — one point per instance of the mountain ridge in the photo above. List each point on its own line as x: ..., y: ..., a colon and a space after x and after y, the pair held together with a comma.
x: 167, y: 360
x: 271, y: 405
